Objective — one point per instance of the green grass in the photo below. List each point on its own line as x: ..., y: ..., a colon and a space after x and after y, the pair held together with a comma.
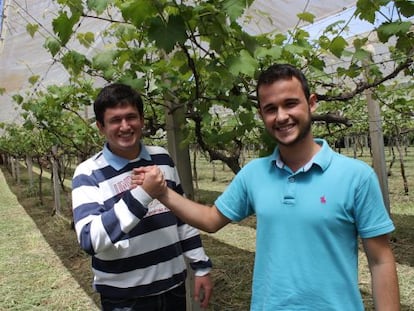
x: 39, y: 283
x: 32, y: 274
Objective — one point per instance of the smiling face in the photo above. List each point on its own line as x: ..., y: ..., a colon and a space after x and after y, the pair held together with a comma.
x: 122, y: 127
x: 285, y: 110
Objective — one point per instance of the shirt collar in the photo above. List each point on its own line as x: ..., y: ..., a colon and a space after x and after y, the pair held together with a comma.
x: 118, y: 162
x: 322, y: 158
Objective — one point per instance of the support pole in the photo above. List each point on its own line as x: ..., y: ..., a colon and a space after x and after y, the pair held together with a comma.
x: 175, y: 120
x: 377, y: 141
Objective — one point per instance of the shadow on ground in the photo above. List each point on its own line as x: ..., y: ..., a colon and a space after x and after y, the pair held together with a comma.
x: 403, y: 239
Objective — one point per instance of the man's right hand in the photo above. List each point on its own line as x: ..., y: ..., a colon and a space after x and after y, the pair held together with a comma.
x: 151, y: 179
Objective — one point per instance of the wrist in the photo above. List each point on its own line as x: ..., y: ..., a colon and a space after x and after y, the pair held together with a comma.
x: 142, y: 196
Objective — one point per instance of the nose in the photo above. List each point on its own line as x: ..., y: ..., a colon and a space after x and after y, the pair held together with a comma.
x: 124, y: 124
x: 282, y: 115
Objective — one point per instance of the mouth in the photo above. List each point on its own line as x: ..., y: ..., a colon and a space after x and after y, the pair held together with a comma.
x: 126, y: 135
x: 285, y: 128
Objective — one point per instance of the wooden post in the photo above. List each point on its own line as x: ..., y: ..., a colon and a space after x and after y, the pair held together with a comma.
x: 29, y: 164
x: 56, y: 185
x: 377, y: 141
x: 18, y: 175
x: 175, y: 119
x: 13, y: 167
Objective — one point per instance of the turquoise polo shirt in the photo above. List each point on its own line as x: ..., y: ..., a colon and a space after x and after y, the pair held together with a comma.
x: 308, y: 223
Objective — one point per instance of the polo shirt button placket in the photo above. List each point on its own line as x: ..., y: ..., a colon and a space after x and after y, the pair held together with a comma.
x: 290, y: 194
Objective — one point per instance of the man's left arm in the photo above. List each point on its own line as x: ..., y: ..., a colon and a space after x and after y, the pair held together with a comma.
x: 384, y: 279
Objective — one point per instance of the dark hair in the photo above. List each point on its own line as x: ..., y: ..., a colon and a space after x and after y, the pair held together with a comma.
x: 116, y: 94
x: 282, y: 72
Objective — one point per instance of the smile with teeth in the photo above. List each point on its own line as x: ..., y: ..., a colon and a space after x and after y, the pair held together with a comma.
x: 285, y: 128
x: 126, y: 135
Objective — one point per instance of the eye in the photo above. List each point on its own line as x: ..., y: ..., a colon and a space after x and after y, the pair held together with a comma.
x: 115, y: 120
x: 269, y: 109
x: 131, y: 117
x: 291, y: 104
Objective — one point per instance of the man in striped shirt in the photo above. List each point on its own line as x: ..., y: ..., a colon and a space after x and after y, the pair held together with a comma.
x: 138, y: 246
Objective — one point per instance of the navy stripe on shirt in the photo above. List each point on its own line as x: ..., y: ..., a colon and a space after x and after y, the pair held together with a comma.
x: 141, y: 290
x: 139, y: 261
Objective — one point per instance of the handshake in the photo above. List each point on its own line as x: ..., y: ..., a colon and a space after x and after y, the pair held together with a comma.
x: 151, y: 179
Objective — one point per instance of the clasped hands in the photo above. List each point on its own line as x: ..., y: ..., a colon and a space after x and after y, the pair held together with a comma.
x: 151, y: 179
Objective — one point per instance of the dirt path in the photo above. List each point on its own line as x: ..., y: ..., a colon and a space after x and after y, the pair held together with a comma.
x: 32, y: 277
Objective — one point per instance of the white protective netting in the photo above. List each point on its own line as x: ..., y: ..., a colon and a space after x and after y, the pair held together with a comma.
x: 22, y: 57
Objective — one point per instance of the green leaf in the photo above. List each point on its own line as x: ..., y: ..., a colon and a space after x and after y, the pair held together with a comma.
x: 138, y: 11
x: 406, y: 8
x: 335, y: 28
x: 317, y: 63
x: 125, y: 32
x: 366, y: 9
x: 2, y: 90
x: 220, y: 78
x: 19, y: 99
x: 361, y: 54
x: 63, y: 25
x: 32, y: 29
x: 137, y: 84
x: 294, y: 49
x: 360, y: 42
x: 246, y: 117
x: 33, y: 79
x: 337, y: 46
x: 75, y: 6
x: 249, y: 42
x: 387, y: 30
x: 275, y: 52
x: 175, y: 29
x: 235, y: 8
x: 104, y: 59
x: 306, y: 16
x: 279, y: 39
x: 214, y: 80
x: 74, y: 62
x: 156, y: 32
x: 324, y: 42
x: 353, y: 71
x: 98, y: 6
x: 244, y: 64
x: 86, y: 39
x: 405, y: 43
x: 52, y: 45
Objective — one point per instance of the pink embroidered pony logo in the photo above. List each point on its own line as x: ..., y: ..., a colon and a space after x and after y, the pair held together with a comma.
x: 323, y: 199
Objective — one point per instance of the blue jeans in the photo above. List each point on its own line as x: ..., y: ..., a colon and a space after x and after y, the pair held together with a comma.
x: 173, y: 300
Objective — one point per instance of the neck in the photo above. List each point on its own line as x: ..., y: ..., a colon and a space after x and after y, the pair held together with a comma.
x: 296, y: 156
x: 129, y: 154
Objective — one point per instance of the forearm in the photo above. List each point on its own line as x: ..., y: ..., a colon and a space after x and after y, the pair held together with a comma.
x: 197, y: 215
x: 92, y: 219
x: 385, y: 288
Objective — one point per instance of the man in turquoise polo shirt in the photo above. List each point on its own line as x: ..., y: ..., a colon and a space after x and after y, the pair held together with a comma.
x: 311, y: 205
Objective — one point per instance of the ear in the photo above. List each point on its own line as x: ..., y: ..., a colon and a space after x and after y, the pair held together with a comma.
x: 100, y: 126
x: 313, y: 102
x: 259, y: 112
